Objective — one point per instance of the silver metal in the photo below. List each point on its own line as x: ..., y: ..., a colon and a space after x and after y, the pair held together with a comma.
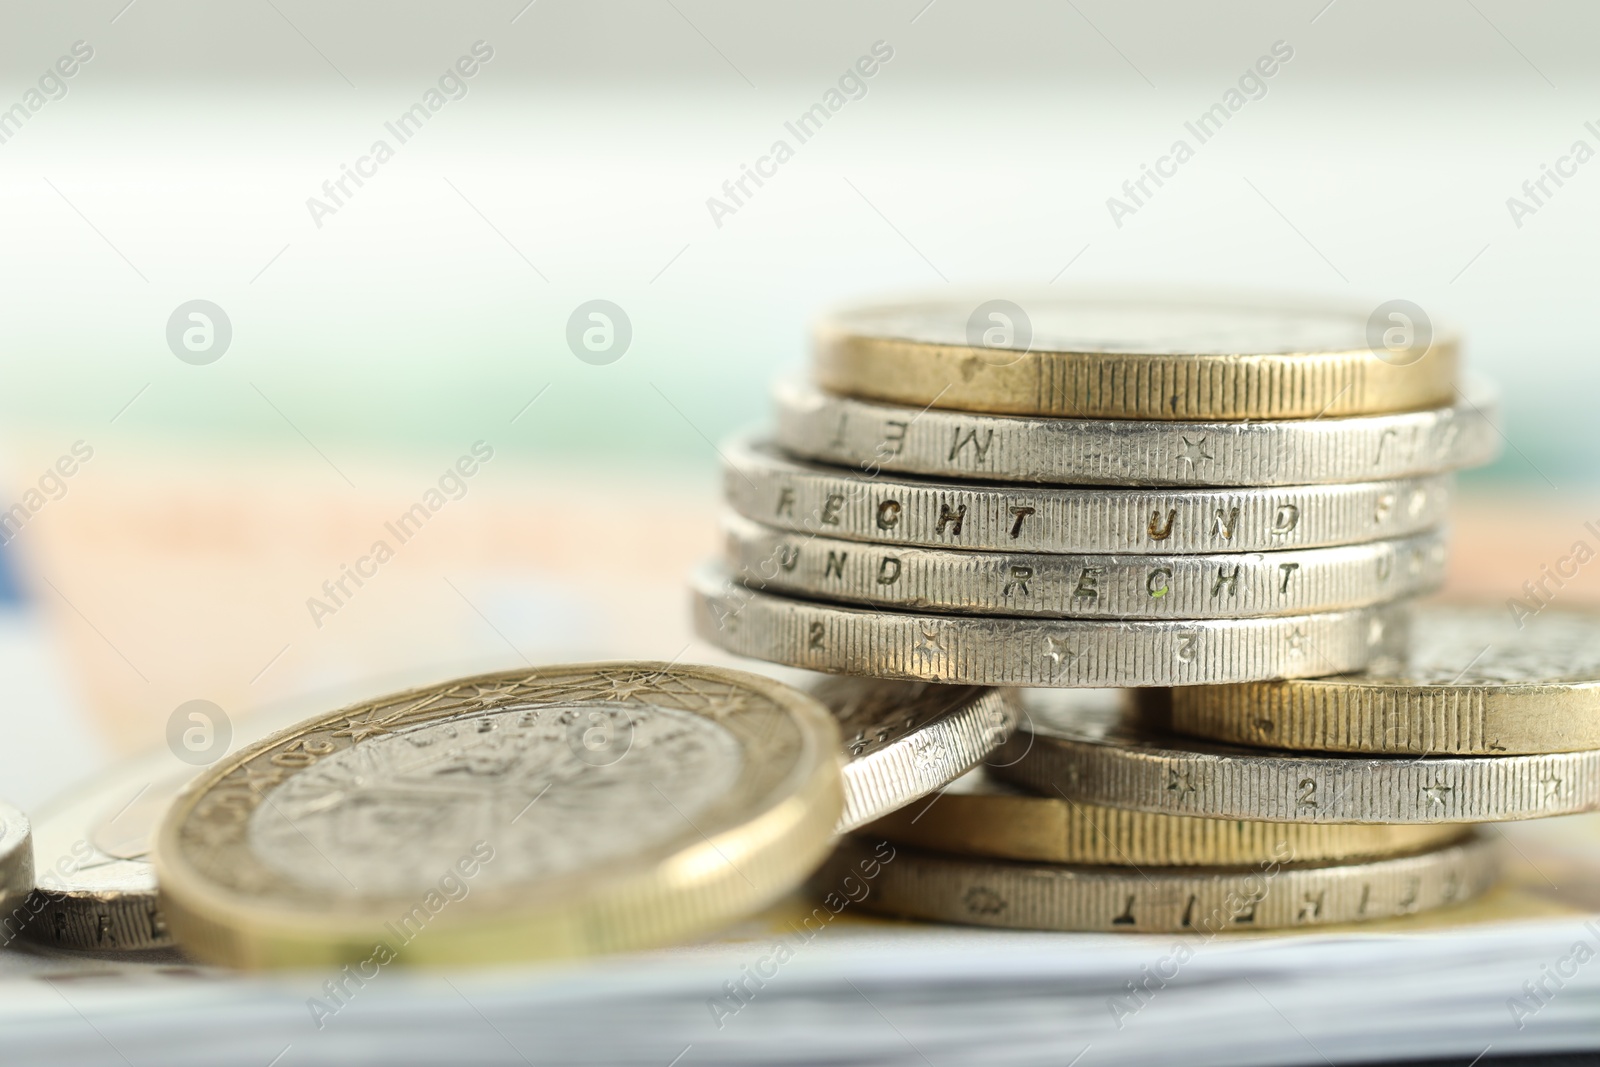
x: 1238, y: 585
x: 991, y: 650
x: 868, y: 436
x: 16, y: 870
x: 903, y: 740
x: 762, y: 484
x: 1194, y: 901
x: 1085, y: 755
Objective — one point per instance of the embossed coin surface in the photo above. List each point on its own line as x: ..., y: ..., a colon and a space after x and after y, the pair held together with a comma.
x: 902, y: 740
x: 1118, y: 760
x: 547, y: 812
x: 1000, y: 650
x: 873, y: 437
x: 762, y: 484
x: 1117, y: 356
x: 1120, y: 586
x: 1277, y: 894
x: 981, y: 815
x: 1476, y: 680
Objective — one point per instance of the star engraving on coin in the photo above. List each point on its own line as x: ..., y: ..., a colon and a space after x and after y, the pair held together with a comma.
x: 931, y: 643
x: 1193, y: 452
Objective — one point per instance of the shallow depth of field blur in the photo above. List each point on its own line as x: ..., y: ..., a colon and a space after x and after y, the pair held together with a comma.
x: 422, y: 313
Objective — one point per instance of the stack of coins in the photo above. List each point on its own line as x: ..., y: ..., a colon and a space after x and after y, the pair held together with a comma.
x: 1083, y: 492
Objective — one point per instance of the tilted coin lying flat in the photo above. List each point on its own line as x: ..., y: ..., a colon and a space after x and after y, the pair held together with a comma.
x: 903, y: 740
x: 872, y: 437
x: 981, y: 815
x: 1475, y: 681
x: 1273, y: 895
x: 553, y: 811
x: 1129, y: 586
x: 1122, y: 762
x: 762, y: 484
x: 998, y: 650
x: 1135, y: 356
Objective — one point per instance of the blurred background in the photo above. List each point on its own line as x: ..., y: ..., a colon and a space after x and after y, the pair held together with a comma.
x: 370, y: 337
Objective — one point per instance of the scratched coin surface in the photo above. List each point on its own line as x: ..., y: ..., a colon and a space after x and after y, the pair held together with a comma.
x: 1116, y: 355
x: 1118, y: 586
x: 1475, y: 680
x: 764, y: 485
x: 1121, y: 759
x: 903, y: 740
x: 1001, y: 650
x: 1279, y: 893
x: 547, y: 812
x: 981, y: 815
x: 872, y: 437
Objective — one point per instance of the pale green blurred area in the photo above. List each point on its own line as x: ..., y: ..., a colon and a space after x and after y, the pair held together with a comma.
x: 416, y: 319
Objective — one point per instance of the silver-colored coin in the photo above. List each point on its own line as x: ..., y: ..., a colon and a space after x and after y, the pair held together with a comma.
x: 16, y: 871
x: 1232, y: 586
x: 1112, y: 759
x: 764, y: 485
x: 898, y: 880
x: 993, y: 650
x: 903, y: 740
x: 869, y: 436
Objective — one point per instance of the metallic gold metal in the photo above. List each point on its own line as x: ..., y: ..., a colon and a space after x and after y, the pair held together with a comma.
x: 1125, y: 358
x: 1477, y: 681
x: 980, y: 815
x: 431, y: 769
x: 1276, y: 895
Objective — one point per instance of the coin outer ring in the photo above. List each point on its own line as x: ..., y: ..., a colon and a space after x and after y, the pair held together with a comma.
x: 16, y: 866
x: 937, y: 753
x: 1272, y: 896
x: 1177, y: 777
x: 869, y: 436
x: 1120, y: 385
x: 624, y: 905
x: 993, y: 650
x: 1053, y: 829
x: 1219, y: 586
x: 764, y: 486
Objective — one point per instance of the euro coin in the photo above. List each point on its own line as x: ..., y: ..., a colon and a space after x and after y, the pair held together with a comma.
x: 1120, y: 586
x: 963, y: 445
x: 555, y: 811
x: 1109, y: 356
x: 999, y: 650
x: 981, y: 815
x: 1121, y: 762
x: 1277, y: 894
x: 1474, y: 681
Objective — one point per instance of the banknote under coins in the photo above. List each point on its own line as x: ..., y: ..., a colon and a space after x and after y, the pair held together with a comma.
x: 545, y: 812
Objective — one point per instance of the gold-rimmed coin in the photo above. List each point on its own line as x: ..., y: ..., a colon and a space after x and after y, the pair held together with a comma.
x: 1475, y: 681
x: 1136, y: 357
x: 1275, y: 895
x: 553, y: 811
x: 981, y: 815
